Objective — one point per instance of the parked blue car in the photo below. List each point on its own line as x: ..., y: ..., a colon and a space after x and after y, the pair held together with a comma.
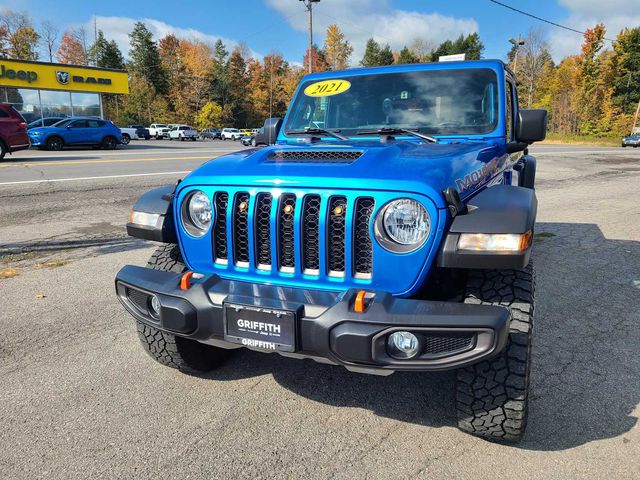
x: 76, y: 131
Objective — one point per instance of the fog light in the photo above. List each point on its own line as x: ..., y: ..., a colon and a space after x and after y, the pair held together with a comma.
x: 154, y: 306
x: 403, y: 345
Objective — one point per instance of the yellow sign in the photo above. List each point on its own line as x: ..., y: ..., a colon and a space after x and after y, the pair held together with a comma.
x: 55, y: 76
x: 327, y: 88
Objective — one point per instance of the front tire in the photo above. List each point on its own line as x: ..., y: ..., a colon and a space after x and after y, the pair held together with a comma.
x: 183, y: 354
x: 492, y: 396
x: 55, y: 144
x: 3, y: 150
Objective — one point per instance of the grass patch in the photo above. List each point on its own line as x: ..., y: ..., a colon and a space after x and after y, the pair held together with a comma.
x: 542, y: 235
x: 56, y: 264
x: 556, y: 138
x: 8, y: 273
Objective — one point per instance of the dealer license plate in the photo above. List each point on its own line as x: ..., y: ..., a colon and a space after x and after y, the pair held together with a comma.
x: 260, y: 327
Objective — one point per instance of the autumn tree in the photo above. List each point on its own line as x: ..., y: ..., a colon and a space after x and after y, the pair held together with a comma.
x: 238, y: 107
x: 71, y: 50
x: 210, y: 115
x: 626, y: 75
x: 145, y: 59
x: 21, y: 37
x: 198, y: 64
x: 318, y: 60
x: 591, y: 94
x: 143, y: 105
x: 534, y: 61
x: 337, y: 49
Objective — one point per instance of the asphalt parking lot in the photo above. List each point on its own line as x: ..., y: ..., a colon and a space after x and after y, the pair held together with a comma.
x: 80, y: 399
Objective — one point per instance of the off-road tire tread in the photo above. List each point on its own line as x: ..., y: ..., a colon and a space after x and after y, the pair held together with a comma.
x: 492, y: 396
x: 186, y: 355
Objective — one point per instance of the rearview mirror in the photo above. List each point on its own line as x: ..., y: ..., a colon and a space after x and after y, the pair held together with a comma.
x: 531, y: 126
x: 272, y: 128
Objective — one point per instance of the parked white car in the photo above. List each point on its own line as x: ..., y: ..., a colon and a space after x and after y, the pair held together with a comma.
x: 159, y: 130
x: 128, y: 134
x: 231, y: 134
x: 183, y: 131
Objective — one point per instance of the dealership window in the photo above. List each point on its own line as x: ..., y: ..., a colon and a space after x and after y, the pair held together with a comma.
x: 34, y: 104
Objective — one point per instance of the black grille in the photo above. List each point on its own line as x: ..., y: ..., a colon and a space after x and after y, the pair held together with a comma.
x: 220, y: 250
x: 241, y: 228
x: 447, y: 343
x: 263, y: 229
x: 286, y: 229
x: 337, y: 217
x: 139, y: 299
x: 315, y: 156
x: 362, y: 247
x: 311, y: 233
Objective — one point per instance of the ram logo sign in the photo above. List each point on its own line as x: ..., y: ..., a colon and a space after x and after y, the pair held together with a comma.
x: 62, y: 77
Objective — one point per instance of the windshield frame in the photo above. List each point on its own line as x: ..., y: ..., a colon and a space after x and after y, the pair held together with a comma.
x: 494, y: 66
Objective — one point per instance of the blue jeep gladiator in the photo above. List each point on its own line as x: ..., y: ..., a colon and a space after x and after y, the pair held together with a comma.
x: 387, y: 227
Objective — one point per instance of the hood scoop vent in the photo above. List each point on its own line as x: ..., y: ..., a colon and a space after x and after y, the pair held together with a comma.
x: 315, y: 156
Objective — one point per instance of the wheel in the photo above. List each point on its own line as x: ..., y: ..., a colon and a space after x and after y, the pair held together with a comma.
x: 55, y: 144
x: 180, y: 353
x: 181, y: 138
x: 224, y: 138
x: 170, y: 138
x: 193, y: 139
x: 109, y: 143
x: 492, y: 396
x: 126, y: 139
x: 3, y: 150
x: 253, y: 142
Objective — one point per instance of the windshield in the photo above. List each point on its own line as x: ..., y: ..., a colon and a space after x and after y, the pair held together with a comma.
x: 440, y: 102
x: 61, y: 123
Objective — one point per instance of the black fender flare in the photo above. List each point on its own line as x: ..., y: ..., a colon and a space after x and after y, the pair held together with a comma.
x: 158, y: 201
x: 499, y: 209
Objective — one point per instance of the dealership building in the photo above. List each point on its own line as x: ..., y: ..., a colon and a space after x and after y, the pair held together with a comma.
x: 40, y: 89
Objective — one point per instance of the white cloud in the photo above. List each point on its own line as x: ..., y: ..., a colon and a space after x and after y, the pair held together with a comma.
x: 584, y: 14
x: 362, y: 19
x: 118, y: 29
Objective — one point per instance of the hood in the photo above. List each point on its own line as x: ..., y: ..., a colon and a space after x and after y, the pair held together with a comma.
x: 45, y: 129
x: 409, y: 166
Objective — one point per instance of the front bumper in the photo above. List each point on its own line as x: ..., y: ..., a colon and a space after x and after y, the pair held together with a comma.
x: 327, y: 329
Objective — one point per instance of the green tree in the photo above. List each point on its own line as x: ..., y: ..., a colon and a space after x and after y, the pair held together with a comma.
x: 105, y: 54
x: 385, y: 57
x: 219, y: 88
x: 626, y: 75
x: 371, y: 54
x: 210, y: 115
x: 143, y: 105
x: 337, y: 50
x: 237, y: 108
x: 145, y: 59
x: 406, y: 56
x: 470, y: 45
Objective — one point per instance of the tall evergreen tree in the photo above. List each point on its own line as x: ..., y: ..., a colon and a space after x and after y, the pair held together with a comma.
x: 371, y: 54
x: 385, y: 57
x: 406, y: 56
x: 626, y: 80
x: 145, y: 59
x: 105, y: 54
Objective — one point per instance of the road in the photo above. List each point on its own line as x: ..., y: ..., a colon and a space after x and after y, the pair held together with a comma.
x: 80, y: 399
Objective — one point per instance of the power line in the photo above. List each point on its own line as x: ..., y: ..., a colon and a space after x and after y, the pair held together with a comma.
x: 543, y: 19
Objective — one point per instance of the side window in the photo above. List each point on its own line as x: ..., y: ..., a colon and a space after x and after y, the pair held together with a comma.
x: 3, y: 114
x: 79, y: 124
x: 509, y: 119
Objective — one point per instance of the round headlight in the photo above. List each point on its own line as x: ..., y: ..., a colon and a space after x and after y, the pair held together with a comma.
x: 406, y: 222
x: 198, y: 213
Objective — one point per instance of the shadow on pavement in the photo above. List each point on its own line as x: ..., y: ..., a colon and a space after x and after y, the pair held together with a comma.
x: 586, y: 370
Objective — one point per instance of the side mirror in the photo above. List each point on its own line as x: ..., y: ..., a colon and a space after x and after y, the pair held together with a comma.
x: 531, y: 126
x: 272, y: 128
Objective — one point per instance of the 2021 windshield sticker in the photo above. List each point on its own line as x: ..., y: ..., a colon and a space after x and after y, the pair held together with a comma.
x: 327, y: 88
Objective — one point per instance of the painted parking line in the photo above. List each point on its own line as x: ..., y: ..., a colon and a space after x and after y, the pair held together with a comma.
x: 25, y: 182
x: 612, y: 151
x: 115, y: 160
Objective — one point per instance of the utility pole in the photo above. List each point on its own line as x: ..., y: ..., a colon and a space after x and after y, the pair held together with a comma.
x: 516, y: 43
x: 309, y: 5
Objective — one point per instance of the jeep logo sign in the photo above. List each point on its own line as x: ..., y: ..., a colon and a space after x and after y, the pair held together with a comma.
x: 24, y: 75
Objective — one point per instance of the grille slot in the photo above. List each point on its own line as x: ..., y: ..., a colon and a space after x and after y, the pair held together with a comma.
x: 286, y: 236
x: 263, y: 230
x: 362, y: 246
x: 337, y: 224
x: 139, y: 299
x: 315, y: 156
x: 220, y: 250
x: 311, y: 234
x: 241, y: 229
x: 438, y: 344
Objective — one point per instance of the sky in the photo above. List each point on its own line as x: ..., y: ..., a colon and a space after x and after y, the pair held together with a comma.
x: 267, y: 26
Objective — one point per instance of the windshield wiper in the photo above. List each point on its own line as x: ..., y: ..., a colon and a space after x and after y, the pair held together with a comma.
x: 318, y: 131
x: 395, y: 131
